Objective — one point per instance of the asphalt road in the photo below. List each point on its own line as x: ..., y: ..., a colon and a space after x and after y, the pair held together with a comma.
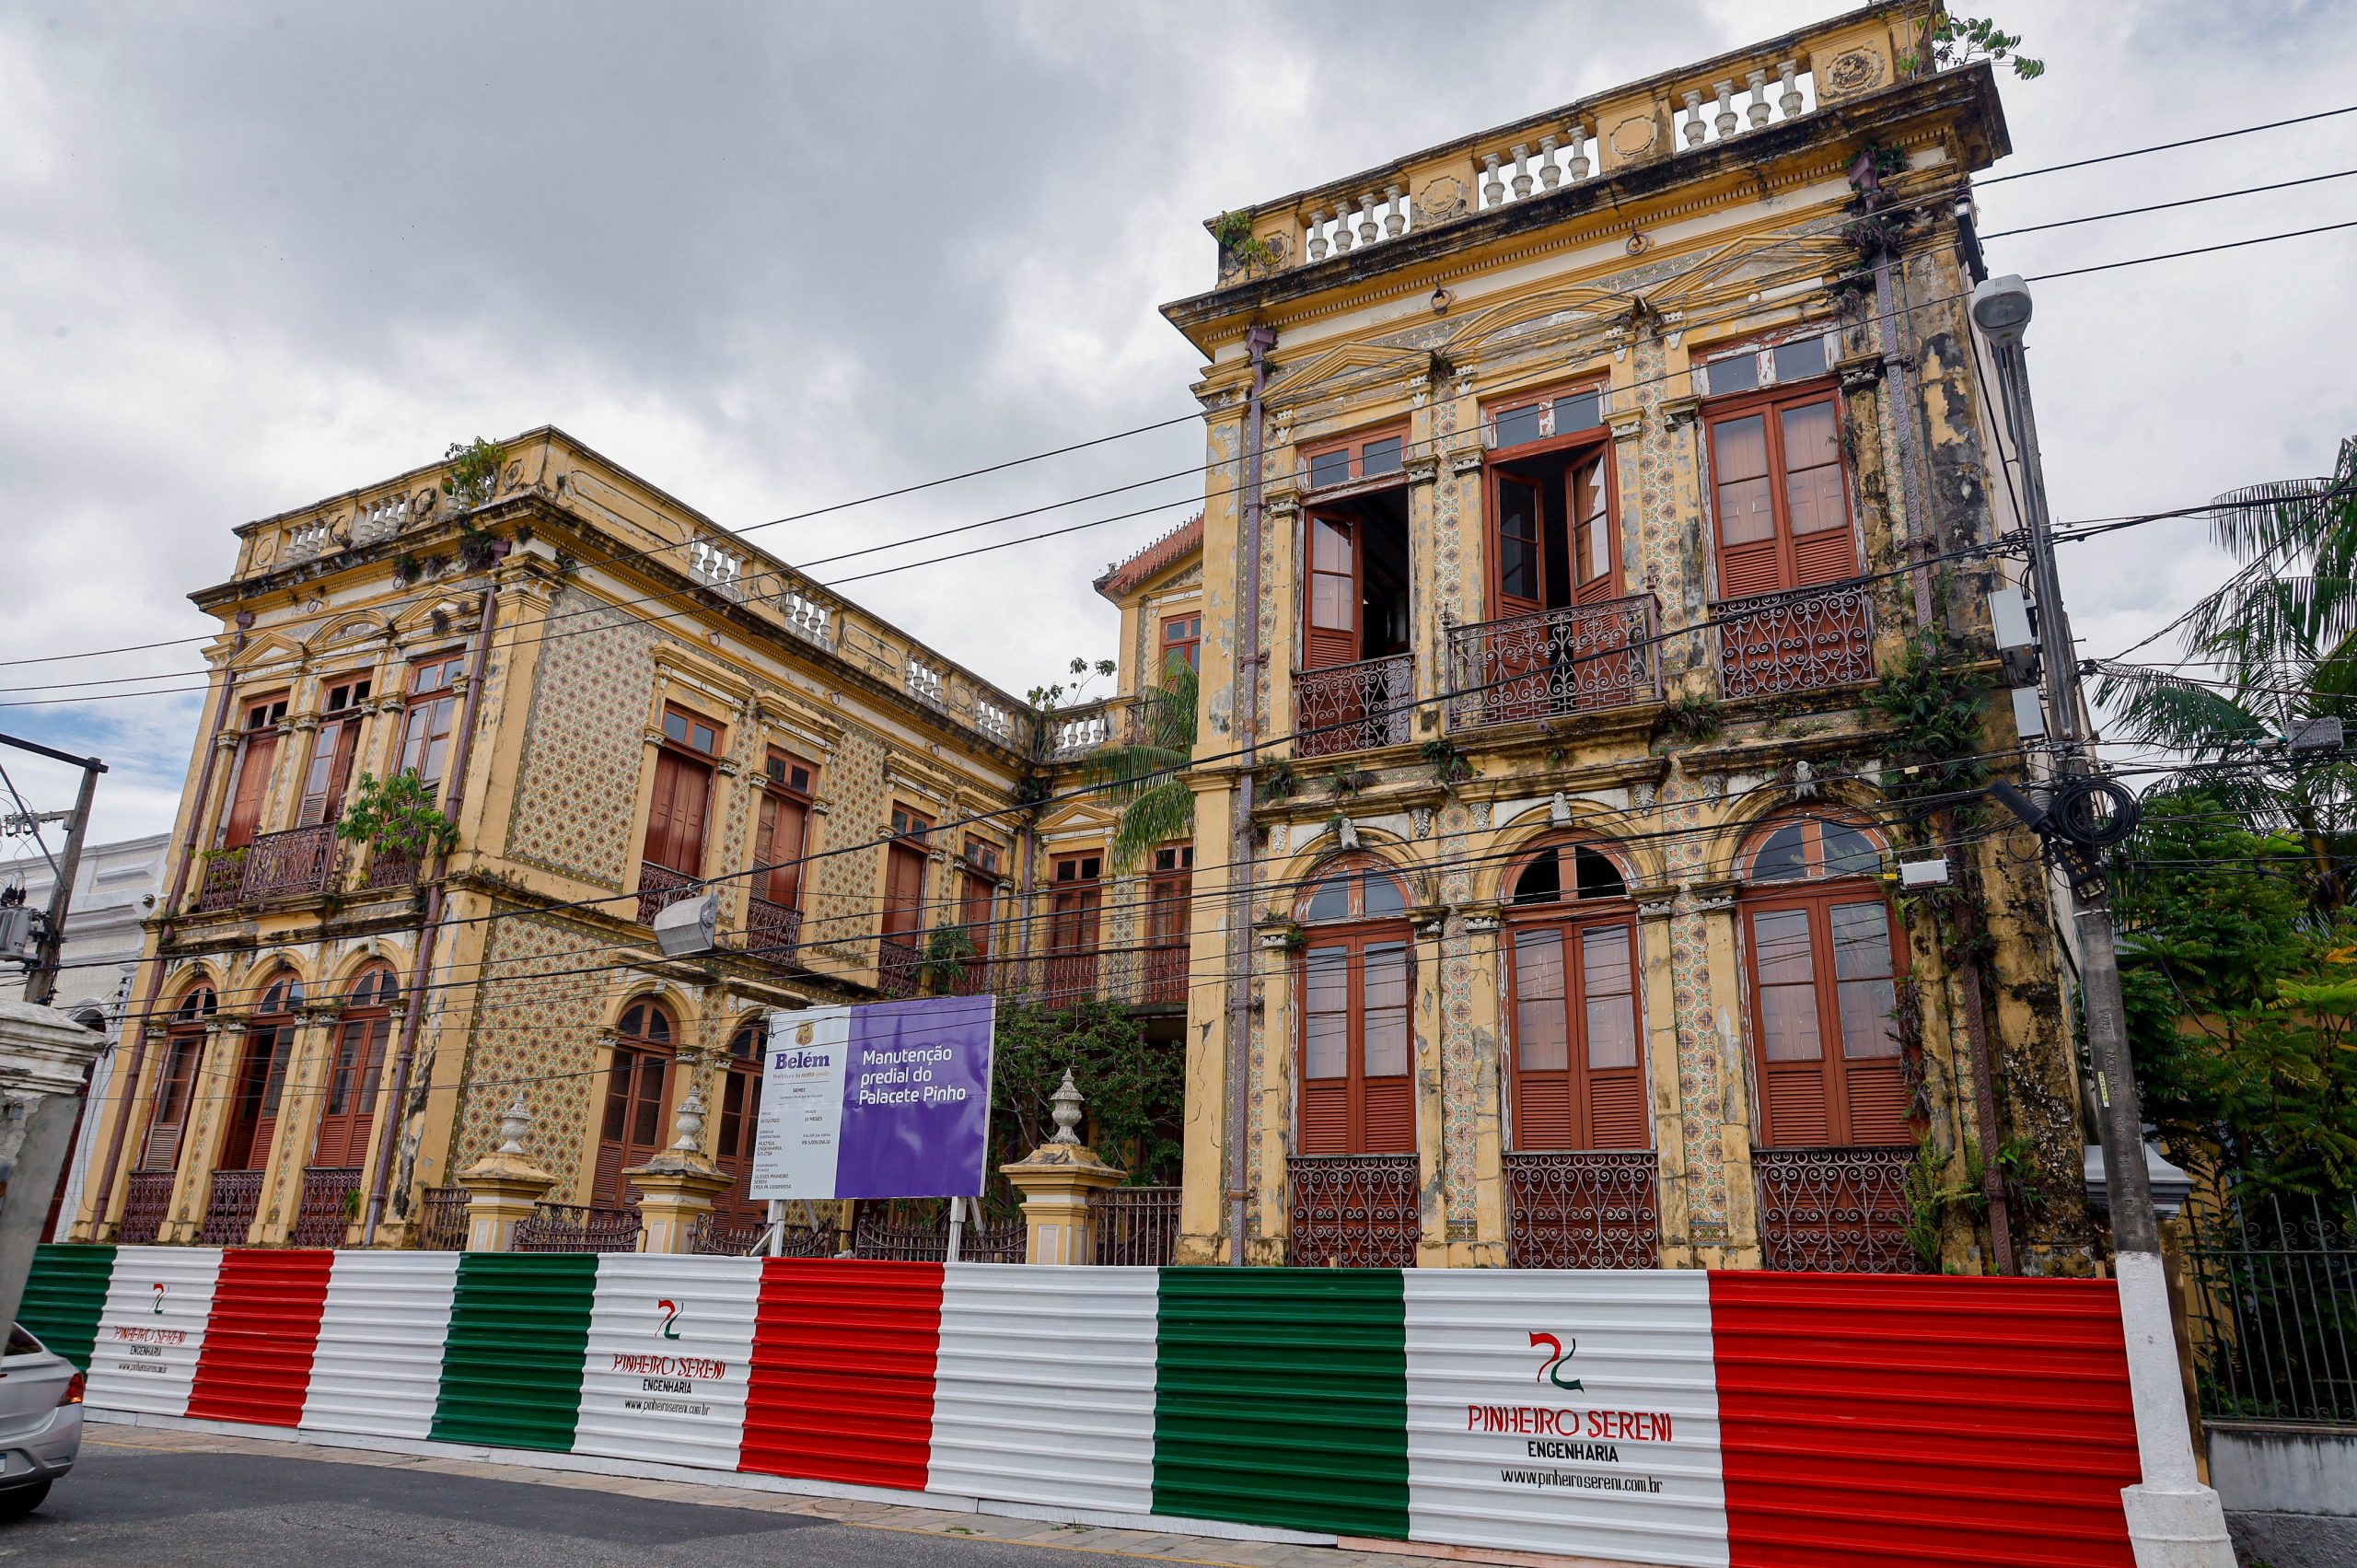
x: 127, y: 1508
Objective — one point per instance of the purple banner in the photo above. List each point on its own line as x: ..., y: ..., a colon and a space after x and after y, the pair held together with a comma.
x: 916, y: 1100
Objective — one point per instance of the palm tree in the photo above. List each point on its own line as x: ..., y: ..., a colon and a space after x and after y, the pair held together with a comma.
x: 2271, y: 649
x: 1145, y: 776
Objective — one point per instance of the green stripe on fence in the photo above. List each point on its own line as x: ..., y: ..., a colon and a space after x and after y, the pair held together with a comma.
x: 1281, y: 1398
x: 511, y: 1366
x: 64, y: 1296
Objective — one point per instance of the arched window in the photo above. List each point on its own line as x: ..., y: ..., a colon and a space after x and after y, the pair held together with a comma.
x: 1578, y: 1081
x: 176, y: 1077
x: 740, y: 1108
x: 1356, y: 978
x: 1822, y: 960
x: 360, y: 1036
x: 637, y: 1082
x: 262, y: 1076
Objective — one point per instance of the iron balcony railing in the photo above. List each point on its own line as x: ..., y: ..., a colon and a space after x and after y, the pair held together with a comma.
x: 1152, y: 976
x: 229, y: 1208
x: 1352, y: 707
x: 1798, y: 640
x: 772, y: 930
x: 295, y: 863
x: 1577, y: 659
x: 660, y: 888
x: 1353, y: 1212
x: 442, y: 1220
x: 1837, y: 1211
x: 1588, y: 1209
x: 330, y: 1203
x: 146, y: 1202
x: 899, y: 963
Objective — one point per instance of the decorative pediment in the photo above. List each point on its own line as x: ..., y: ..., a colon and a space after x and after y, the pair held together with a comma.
x: 342, y: 634
x: 266, y: 648
x: 1349, y: 363
x: 1566, y: 307
x: 1743, y: 264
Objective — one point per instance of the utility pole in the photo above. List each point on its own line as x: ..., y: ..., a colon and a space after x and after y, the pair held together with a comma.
x: 2174, y: 1521
x: 40, y: 981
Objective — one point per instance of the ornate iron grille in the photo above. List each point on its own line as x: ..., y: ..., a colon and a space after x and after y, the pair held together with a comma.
x: 1592, y: 1209
x: 289, y: 865
x: 2274, y: 1311
x: 442, y: 1220
x: 388, y: 868
x: 918, y: 1232
x: 1137, y: 1226
x: 1798, y: 640
x: 715, y: 1237
x: 571, y: 1227
x: 229, y: 1208
x: 329, y: 1202
x: 1835, y: 1211
x: 1353, y: 1212
x: 659, y: 886
x: 898, y: 963
x: 147, y: 1199
x: 772, y: 930
x: 1352, y: 707
x: 225, y: 881
x: 1581, y: 658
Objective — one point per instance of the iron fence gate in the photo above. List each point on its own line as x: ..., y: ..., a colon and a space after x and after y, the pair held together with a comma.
x: 2272, y: 1291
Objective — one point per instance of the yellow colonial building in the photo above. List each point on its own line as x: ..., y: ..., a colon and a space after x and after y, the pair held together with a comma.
x: 1597, y: 506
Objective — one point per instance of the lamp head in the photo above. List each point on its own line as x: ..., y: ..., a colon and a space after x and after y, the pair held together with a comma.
x: 2001, y: 308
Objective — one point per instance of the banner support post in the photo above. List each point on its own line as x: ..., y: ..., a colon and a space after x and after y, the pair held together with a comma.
x: 957, y: 1226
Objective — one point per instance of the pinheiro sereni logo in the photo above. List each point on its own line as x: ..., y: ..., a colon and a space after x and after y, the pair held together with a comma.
x: 157, y: 1307
x: 670, y: 1311
x: 1552, y: 1369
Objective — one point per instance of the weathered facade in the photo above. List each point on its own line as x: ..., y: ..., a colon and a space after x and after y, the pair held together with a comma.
x: 1609, y: 463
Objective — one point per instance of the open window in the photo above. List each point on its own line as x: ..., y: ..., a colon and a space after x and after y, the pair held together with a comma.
x: 1555, y: 538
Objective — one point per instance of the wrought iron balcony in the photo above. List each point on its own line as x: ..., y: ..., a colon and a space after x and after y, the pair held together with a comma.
x: 1352, y: 707
x: 1841, y: 1211
x: 290, y: 864
x: 1589, y: 1209
x: 1580, y: 658
x: 899, y: 966
x: 146, y: 1202
x: 229, y: 1208
x: 660, y: 888
x: 327, y: 1205
x: 1798, y: 640
x: 772, y: 930
x: 1353, y: 1211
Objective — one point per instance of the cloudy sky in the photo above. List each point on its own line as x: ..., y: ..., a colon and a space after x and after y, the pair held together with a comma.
x: 774, y: 256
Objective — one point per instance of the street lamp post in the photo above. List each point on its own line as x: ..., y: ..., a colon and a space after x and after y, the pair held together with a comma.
x: 2174, y: 1521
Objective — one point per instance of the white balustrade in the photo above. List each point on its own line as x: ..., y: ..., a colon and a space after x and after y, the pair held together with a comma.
x: 804, y: 616
x: 1783, y: 91
x: 924, y: 680
x: 993, y: 718
x: 380, y: 518
x: 306, y: 540
x: 1565, y: 155
x: 716, y: 567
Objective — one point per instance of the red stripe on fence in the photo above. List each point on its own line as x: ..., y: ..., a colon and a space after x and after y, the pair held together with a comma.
x: 842, y: 1372
x: 256, y: 1363
x: 1960, y: 1423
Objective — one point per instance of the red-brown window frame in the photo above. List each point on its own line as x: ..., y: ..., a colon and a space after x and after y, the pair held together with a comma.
x: 1572, y: 918
x: 175, y: 1077
x: 259, y: 737
x: 904, y: 917
x: 1353, y: 936
x: 1189, y: 647
x: 634, y: 1053
x: 977, y: 903
x: 781, y: 882
x: 1770, y: 403
x: 1356, y: 443
x: 430, y: 713
x: 335, y: 749
x: 1817, y: 895
x: 258, y: 1088
x: 740, y: 1103
x: 1495, y: 463
x: 348, y: 1108
x: 683, y: 756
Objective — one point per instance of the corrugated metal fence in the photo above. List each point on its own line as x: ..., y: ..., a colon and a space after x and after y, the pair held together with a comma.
x: 1639, y: 1416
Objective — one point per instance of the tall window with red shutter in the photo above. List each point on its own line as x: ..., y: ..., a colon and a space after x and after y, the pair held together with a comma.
x: 249, y: 781
x: 1076, y: 897
x: 1822, y: 960
x: 176, y: 1079
x: 978, y: 911
x: 1357, y: 979
x: 333, y: 747
x: 360, y: 1034
x: 1578, y: 1080
x: 740, y: 1106
x: 904, y: 861
x: 260, y: 1083
x: 630, y: 1130
x: 788, y: 783
x: 682, y: 799
x: 1182, y: 640
x: 1782, y: 495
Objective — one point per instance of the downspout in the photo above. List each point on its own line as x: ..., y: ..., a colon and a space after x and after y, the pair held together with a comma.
x: 1259, y: 342
x: 414, y: 1010
x: 154, y: 982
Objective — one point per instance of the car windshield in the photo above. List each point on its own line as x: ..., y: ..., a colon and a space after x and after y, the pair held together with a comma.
x: 21, y: 1343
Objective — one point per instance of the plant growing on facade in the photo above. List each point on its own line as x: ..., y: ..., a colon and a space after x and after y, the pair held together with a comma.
x: 946, y: 951
x: 396, y: 815
x: 1145, y: 777
x: 1233, y: 231
x: 1951, y: 41
x: 1451, y: 766
x: 1693, y: 717
x: 407, y: 568
x: 1935, y: 704
x: 1278, y: 781
x: 471, y: 477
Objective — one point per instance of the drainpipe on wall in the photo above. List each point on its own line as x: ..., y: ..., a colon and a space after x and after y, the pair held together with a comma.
x: 129, y: 1077
x: 1898, y: 369
x: 1259, y: 342
x: 414, y: 1010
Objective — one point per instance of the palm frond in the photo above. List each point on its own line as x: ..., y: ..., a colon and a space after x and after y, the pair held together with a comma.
x: 1146, y: 777
x: 2161, y: 709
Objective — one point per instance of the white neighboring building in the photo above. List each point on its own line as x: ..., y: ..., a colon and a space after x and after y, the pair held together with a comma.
x: 116, y: 890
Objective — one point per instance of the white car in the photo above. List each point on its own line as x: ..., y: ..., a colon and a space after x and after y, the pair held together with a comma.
x: 40, y: 1421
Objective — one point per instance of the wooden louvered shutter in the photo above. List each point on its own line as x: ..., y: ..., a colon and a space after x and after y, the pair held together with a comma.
x: 690, y: 800
x: 1542, y: 1088
x: 1874, y: 1097
x: 1330, y: 634
x: 1816, y: 506
x: 251, y: 790
x: 172, y: 1088
x: 274, y: 1086
x: 903, y: 890
x: 782, y: 820
x: 659, y: 809
x: 1615, y: 1111
x: 1791, y: 1041
x: 1387, y: 1115
x: 1326, y: 1050
x: 1751, y: 559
